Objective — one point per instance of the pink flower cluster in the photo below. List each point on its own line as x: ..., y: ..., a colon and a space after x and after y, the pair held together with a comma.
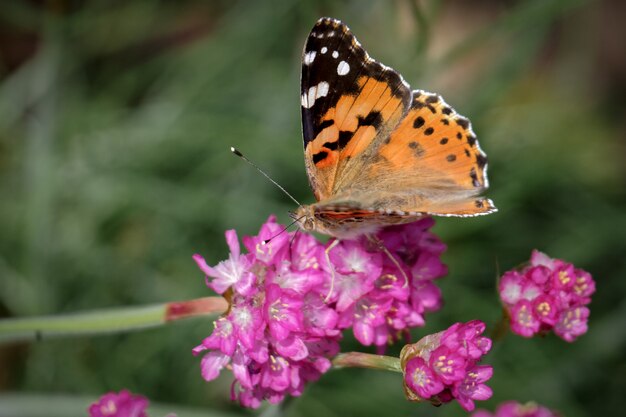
x: 374, y: 297
x: 288, y: 304
x: 444, y: 366
x: 548, y: 294
x: 123, y: 404
x: 515, y: 409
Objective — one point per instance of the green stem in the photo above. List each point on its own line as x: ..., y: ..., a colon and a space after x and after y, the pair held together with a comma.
x: 107, y: 321
x: 367, y: 360
x: 501, y: 328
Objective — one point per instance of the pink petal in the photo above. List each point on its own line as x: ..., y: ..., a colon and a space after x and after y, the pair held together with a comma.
x: 204, y: 267
x: 292, y: 348
x: 233, y: 242
x: 510, y: 287
x: 212, y: 363
x: 363, y: 332
x: 540, y: 258
x: 240, y: 369
x: 482, y: 392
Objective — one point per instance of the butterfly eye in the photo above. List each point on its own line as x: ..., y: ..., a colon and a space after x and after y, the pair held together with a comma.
x: 309, y: 224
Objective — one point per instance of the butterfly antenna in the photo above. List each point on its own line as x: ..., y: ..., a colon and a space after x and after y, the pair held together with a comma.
x: 266, y: 241
x: 242, y: 156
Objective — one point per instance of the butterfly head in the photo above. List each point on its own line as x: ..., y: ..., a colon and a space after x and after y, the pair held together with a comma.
x: 305, y: 218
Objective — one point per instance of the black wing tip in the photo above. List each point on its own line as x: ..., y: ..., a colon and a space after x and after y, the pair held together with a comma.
x: 330, y: 22
x: 325, y: 20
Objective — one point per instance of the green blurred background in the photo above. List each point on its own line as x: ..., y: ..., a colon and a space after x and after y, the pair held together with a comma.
x: 116, y: 119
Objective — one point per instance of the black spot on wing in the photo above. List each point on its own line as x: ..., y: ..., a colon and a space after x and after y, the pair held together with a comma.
x: 419, y: 122
x: 418, y: 150
x: 320, y: 156
x: 324, y: 124
x: 481, y: 160
x: 463, y: 122
x: 474, y: 178
x: 374, y: 118
x: 344, y: 138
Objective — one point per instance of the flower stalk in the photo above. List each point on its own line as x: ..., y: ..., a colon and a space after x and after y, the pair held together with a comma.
x: 106, y: 321
x: 367, y: 360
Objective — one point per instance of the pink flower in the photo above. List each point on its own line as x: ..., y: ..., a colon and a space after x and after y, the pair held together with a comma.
x: 523, y: 320
x: 515, y: 409
x: 284, y: 322
x: 351, y: 257
x: 472, y: 387
x: 368, y: 314
x: 283, y: 311
x: 444, y: 366
x: 123, y: 404
x: 389, y: 306
x: 572, y: 323
x: 420, y: 378
x: 448, y: 365
x: 273, y: 331
x: 548, y: 294
x: 232, y: 272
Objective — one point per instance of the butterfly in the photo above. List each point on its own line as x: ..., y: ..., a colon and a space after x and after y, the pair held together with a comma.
x: 376, y: 152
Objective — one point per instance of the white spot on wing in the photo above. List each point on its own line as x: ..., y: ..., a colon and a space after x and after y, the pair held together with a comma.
x: 322, y: 89
x: 343, y: 68
x: 335, y: 54
x: 309, y: 57
x: 324, y: 50
x: 308, y: 99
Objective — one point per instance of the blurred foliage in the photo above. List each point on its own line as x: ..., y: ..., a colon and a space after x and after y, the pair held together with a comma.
x: 115, y: 122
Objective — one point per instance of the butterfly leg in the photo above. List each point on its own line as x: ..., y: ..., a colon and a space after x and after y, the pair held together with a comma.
x: 332, y: 269
x: 380, y: 245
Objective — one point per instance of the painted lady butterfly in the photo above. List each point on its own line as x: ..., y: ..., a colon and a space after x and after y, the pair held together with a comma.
x: 377, y: 153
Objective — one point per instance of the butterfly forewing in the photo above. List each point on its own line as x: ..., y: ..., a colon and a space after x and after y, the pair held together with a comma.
x: 350, y: 103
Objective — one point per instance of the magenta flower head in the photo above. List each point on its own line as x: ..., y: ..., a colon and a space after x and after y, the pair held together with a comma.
x: 398, y: 289
x: 278, y: 333
x: 444, y: 366
x: 515, y: 409
x: 122, y: 404
x: 290, y: 298
x: 547, y: 295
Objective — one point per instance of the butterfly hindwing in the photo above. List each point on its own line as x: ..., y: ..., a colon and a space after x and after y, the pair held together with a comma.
x: 431, y: 163
x: 350, y: 104
x: 443, y: 167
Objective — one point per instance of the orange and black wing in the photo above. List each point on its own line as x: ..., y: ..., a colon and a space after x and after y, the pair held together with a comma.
x: 350, y: 103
